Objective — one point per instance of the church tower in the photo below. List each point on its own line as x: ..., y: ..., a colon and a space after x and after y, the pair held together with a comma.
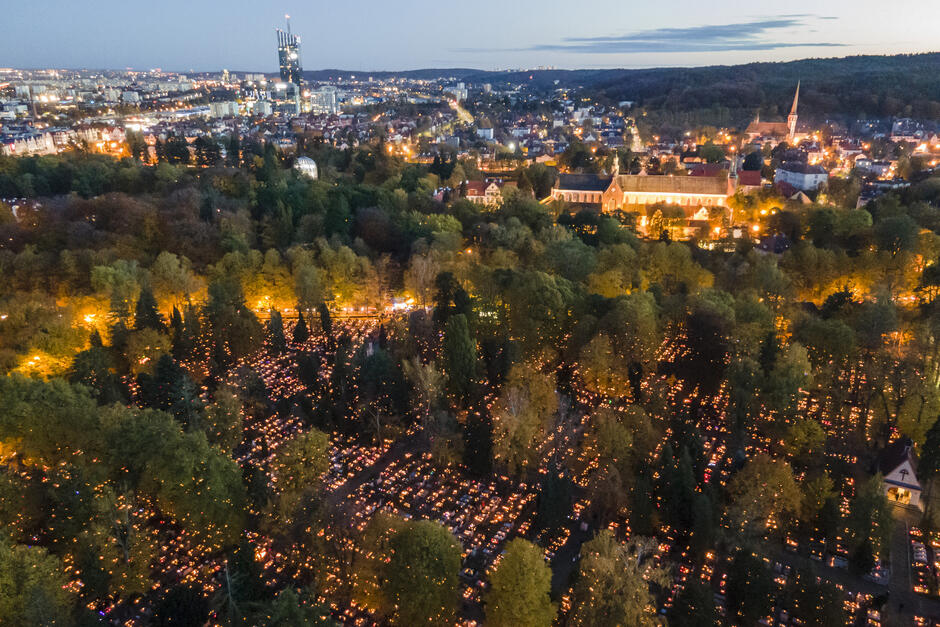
x: 791, y: 119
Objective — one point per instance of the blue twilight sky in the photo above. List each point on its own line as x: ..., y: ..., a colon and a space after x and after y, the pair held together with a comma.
x: 487, y: 34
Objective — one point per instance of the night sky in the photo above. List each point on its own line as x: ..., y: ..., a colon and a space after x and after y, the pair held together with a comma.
x: 486, y: 34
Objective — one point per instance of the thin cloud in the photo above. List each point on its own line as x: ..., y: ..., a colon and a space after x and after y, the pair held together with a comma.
x: 763, y: 34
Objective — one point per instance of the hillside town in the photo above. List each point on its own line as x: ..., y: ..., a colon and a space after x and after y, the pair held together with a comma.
x: 701, y: 183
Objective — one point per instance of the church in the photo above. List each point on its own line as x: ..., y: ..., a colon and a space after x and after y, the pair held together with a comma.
x: 775, y: 132
x: 898, y: 466
x: 687, y: 203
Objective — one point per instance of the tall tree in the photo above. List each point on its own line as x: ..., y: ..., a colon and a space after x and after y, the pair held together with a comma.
x: 523, y: 415
x: 816, y: 603
x: 694, y: 607
x: 520, y: 587
x: 421, y: 579
x: 478, y: 443
x: 146, y: 314
x: 33, y: 587
x: 762, y: 490
x: 929, y: 463
x: 750, y: 588
x: 460, y: 358
x: 299, y: 465
x: 613, y: 586
x: 301, y: 332
x: 275, y: 332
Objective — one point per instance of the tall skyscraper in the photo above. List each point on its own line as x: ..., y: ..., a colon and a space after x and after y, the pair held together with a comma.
x: 288, y: 52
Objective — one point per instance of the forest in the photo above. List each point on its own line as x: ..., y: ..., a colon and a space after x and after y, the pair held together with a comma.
x: 847, y: 88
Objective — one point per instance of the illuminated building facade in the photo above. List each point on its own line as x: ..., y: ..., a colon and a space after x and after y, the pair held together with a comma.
x: 686, y: 204
x: 288, y: 53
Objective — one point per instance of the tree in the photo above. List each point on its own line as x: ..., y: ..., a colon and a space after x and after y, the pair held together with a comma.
x: 753, y: 161
x: 804, y: 439
x: 522, y: 413
x: 817, y: 604
x: 750, y: 588
x: 188, y: 333
x: 144, y: 348
x: 208, y: 152
x: 896, y: 234
x: 478, y: 443
x: 33, y: 587
x: 308, y: 287
x: 762, y: 490
x: 233, y: 151
x: 554, y: 499
x: 136, y: 145
x: 460, y: 358
x: 381, y: 386
x: 173, y: 278
x: 176, y: 150
x: 633, y: 327
x: 862, y: 559
x: 181, y: 606
x: 711, y: 153
x: 694, y: 607
x: 172, y: 390
x: 326, y: 322
x: 301, y: 332
x: 420, y: 277
x: 708, y: 331
x: 610, y: 436
x: 223, y: 423
x: 421, y: 578
x: 298, y: 467
x: 275, y: 332
x: 197, y: 483
x: 816, y: 493
x: 519, y: 588
x: 289, y: 609
x: 538, y: 306
x: 146, y: 315
x: 790, y: 374
x: 602, y: 371
x: 928, y: 466
x: 121, y: 281
x: 234, y: 330
x: 94, y: 368
x: 427, y: 382
x: 613, y: 586
x: 869, y: 518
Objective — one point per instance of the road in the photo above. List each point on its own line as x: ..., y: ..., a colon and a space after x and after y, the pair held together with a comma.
x: 462, y: 114
x: 901, y: 582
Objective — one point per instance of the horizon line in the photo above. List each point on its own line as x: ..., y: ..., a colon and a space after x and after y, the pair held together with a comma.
x: 476, y: 69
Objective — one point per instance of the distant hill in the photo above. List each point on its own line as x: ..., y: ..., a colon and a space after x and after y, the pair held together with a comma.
x: 860, y: 86
x: 427, y: 74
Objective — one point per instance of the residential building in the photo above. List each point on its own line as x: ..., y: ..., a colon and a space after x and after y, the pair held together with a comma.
x: 226, y: 109
x: 801, y: 176
x: 489, y: 192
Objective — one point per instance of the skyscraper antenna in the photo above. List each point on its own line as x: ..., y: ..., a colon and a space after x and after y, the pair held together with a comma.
x: 287, y: 17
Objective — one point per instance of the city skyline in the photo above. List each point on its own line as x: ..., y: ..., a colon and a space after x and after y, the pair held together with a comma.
x: 418, y: 34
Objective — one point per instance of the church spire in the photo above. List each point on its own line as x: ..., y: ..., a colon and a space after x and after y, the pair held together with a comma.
x: 791, y: 119
x: 796, y: 99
